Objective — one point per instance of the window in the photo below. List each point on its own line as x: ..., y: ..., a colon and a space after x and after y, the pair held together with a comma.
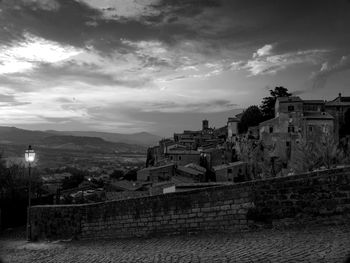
x: 290, y: 108
x: 288, y: 144
x: 291, y: 129
x: 171, y: 157
x: 271, y: 129
x: 229, y: 170
x: 310, y: 128
x: 179, y: 157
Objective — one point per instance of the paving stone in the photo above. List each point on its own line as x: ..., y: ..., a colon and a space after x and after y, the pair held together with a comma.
x: 308, y: 244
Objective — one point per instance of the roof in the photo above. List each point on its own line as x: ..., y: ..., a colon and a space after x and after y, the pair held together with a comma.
x: 181, y: 179
x: 188, y: 152
x: 126, y: 185
x: 345, y: 99
x: 189, y: 170
x: 317, y: 115
x: 191, y: 132
x: 176, y: 145
x: 289, y: 99
x: 220, y: 167
x: 229, y: 165
x: 313, y: 101
x: 196, y: 167
x: 237, y: 163
x: 186, y: 140
x: 163, y: 184
x: 268, y: 121
x: 239, y: 115
x: 159, y: 167
x: 233, y: 119
x: 337, y: 103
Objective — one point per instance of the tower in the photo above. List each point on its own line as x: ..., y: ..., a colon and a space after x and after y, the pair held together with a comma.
x: 205, y: 125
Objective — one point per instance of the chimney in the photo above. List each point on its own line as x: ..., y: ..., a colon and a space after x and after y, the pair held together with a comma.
x: 339, y: 95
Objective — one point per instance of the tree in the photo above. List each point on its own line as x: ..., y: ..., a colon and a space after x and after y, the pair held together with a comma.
x: 268, y: 104
x: 72, y: 181
x: 14, y: 181
x: 252, y: 116
x: 117, y: 174
x: 131, y: 175
x: 150, y: 157
x: 311, y: 155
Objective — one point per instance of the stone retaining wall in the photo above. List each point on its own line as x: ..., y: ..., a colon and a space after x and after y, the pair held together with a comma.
x: 305, y: 198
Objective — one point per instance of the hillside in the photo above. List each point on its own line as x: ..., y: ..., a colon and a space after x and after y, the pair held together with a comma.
x: 15, y: 136
x: 141, y: 138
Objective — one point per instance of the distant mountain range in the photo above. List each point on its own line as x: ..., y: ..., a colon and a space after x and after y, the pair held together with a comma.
x: 78, y: 140
x: 141, y: 138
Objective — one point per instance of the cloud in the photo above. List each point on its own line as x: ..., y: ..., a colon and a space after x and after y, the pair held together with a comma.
x: 46, y: 5
x: 263, y: 62
x: 265, y: 50
x: 7, y: 100
x: 57, y: 119
x: 321, y: 77
x: 212, y: 106
x: 25, y: 55
x: 121, y: 9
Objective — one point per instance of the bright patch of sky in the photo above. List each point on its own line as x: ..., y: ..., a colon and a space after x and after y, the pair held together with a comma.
x: 25, y: 55
x: 118, y: 65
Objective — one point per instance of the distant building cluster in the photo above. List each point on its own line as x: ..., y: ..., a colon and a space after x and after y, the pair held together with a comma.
x: 213, y: 154
x: 196, y: 156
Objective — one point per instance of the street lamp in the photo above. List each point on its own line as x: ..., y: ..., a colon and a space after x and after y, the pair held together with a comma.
x: 29, y: 156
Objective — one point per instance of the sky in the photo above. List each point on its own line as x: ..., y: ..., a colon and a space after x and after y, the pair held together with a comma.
x: 161, y: 66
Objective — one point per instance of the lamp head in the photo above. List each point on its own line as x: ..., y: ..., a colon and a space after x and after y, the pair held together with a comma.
x: 29, y: 155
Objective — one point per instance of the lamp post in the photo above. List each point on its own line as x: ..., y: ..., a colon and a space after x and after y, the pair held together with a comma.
x: 29, y: 158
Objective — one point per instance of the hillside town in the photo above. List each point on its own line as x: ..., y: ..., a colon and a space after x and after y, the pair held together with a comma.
x: 272, y: 148
x: 303, y: 135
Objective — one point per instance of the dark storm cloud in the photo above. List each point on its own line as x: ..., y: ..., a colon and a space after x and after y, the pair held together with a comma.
x: 241, y: 24
x: 70, y: 25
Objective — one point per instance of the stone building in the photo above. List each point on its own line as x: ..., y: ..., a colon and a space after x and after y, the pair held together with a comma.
x: 295, y: 120
x: 156, y: 174
x: 189, y: 172
x: 231, y: 172
x: 232, y: 128
x: 338, y: 108
x: 183, y: 157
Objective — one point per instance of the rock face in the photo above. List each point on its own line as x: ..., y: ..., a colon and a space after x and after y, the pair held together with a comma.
x: 318, y: 197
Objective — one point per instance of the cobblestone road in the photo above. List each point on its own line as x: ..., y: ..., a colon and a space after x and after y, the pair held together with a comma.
x: 318, y: 244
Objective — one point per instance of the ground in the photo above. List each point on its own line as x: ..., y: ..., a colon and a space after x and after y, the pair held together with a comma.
x: 305, y: 244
